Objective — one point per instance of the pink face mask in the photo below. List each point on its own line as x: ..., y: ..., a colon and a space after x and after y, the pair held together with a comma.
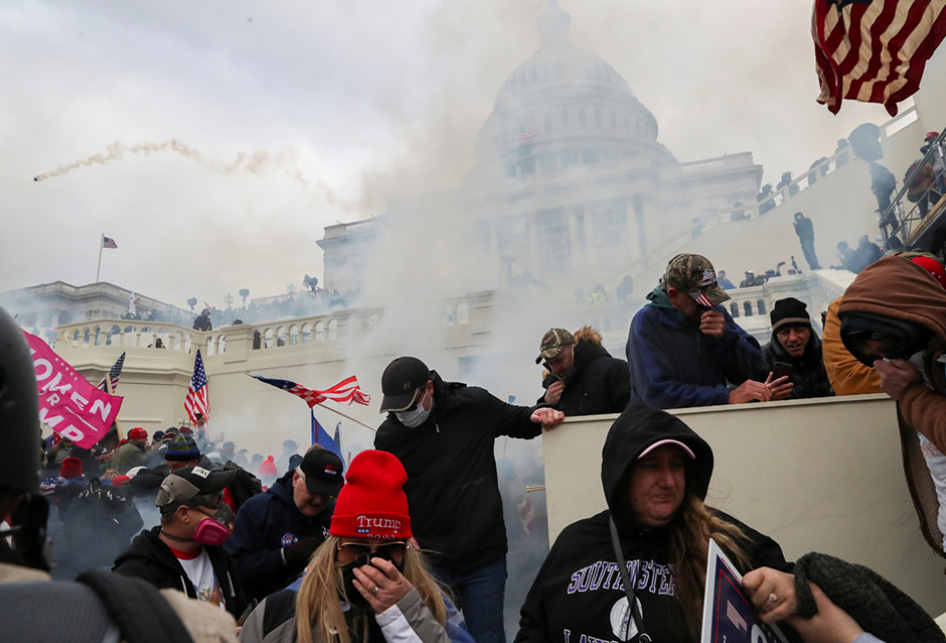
x: 214, y: 530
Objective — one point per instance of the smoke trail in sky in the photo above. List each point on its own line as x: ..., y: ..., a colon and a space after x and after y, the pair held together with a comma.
x: 256, y: 162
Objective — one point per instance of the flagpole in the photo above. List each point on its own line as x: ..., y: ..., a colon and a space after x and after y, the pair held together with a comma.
x: 347, y: 417
x: 111, y: 391
x: 99, y: 269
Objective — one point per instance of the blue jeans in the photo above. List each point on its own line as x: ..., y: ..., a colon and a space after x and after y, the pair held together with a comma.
x: 480, y: 594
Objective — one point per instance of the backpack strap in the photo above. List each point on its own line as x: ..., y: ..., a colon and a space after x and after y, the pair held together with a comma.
x: 280, y: 607
x: 137, y: 608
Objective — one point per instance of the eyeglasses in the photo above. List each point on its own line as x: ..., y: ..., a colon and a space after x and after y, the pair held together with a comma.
x: 385, y: 550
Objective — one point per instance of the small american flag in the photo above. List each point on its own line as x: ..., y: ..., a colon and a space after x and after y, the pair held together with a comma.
x: 874, y: 51
x: 735, y: 617
x: 108, y: 242
x: 702, y: 299
x: 345, y: 392
x: 525, y: 131
x: 113, y: 374
x: 197, y: 400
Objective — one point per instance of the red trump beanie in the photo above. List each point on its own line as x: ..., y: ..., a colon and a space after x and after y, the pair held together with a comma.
x: 372, y: 504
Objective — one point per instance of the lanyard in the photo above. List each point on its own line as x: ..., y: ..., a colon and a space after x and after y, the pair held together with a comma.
x: 628, y: 588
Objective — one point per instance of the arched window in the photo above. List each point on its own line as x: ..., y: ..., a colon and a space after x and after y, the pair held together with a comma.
x: 734, y: 310
x: 581, y: 117
x: 598, y: 121
x: 747, y: 306
x: 614, y: 120
x: 761, y: 303
x: 564, y: 118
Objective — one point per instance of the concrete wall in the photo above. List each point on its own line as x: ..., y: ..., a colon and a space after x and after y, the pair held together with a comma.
x: 822, y: 475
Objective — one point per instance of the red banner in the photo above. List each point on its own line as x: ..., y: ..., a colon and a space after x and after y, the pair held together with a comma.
x: 68, y: 403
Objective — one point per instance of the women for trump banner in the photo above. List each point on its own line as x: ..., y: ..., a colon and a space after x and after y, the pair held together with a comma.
x: 68, y: 403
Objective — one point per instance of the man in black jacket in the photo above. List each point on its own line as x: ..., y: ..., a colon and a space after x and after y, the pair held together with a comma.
x: 805, y: 230
x: 276, y: 532
x: 795, y: 344
x: 581, y: 377
x: 185, y: 551
x: 443, y: 434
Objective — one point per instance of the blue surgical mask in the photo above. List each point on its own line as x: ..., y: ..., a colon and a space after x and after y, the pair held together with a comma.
x: 415, y: 417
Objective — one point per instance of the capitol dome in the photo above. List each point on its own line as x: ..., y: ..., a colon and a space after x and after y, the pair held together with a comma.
x: 563, y: 107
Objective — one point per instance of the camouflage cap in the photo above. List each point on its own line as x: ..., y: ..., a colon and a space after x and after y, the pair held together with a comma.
x: 695, y: 275
x: 553, y: 342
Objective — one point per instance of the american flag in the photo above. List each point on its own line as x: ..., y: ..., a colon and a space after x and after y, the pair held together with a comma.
x: 527, y: 131
x: 197, y: 400
x: 702, y: 299
x: 735, y: 617
x: 345, y: 392
x: 874, y: 51
x: 108, y: 242
x: 113, y: 374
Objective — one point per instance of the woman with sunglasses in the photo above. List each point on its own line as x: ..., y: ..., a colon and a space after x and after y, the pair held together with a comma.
x: 365, y: 583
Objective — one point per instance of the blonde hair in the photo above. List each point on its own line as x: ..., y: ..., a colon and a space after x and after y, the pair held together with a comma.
x: 318, y: 603
x: 693, y: 526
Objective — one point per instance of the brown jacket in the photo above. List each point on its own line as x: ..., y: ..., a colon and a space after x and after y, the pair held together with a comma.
x: 898, y: 288
x: 845, y: 372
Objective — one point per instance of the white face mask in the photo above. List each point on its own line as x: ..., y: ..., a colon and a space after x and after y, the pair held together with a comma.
x: 416, y: 417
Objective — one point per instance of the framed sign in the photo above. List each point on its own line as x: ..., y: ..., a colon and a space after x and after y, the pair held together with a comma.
x: 728, y: 616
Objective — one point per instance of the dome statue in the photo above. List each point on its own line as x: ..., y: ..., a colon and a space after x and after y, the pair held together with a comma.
x: 563, y: 107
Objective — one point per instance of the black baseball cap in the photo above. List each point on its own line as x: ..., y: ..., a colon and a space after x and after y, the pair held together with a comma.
x: 323, y: 472
x: 400, y: 382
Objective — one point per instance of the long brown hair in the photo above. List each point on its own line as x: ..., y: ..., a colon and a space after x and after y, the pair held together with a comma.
x: 691, y: 530
x: 318, y: 603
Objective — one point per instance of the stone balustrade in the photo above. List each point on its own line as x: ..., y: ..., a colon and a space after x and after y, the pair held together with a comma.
x: 124, y: 333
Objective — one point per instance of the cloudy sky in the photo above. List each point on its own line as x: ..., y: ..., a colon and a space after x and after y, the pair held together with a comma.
x: 291, y: 116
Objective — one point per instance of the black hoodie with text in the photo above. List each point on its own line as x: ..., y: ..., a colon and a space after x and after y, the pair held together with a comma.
x: 578, y: 595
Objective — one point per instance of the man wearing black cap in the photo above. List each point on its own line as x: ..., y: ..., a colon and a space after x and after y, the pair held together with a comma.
x: 795, y: 349
x: 443, y: 433
x: 276, y: 532
x: 185, y: 551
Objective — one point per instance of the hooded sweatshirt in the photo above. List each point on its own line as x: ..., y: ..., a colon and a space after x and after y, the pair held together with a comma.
x: 597, y: 383
x: 898, y: 288
x: 578, y: 594
x: 150, y: 559
x: 674, y: 365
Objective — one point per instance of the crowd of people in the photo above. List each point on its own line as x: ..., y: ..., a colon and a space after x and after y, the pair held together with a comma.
x: 410, y: 542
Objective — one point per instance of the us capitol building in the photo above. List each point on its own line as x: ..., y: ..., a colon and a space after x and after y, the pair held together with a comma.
x: 570, y: 184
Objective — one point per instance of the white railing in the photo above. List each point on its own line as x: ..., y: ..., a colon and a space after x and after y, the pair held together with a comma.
x: 126, y: 333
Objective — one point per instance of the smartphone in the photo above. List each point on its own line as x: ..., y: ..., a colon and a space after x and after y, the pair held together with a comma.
x: 782, y: 370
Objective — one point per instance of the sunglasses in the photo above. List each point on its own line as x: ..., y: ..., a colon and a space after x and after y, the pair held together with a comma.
x: 385, y: 550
